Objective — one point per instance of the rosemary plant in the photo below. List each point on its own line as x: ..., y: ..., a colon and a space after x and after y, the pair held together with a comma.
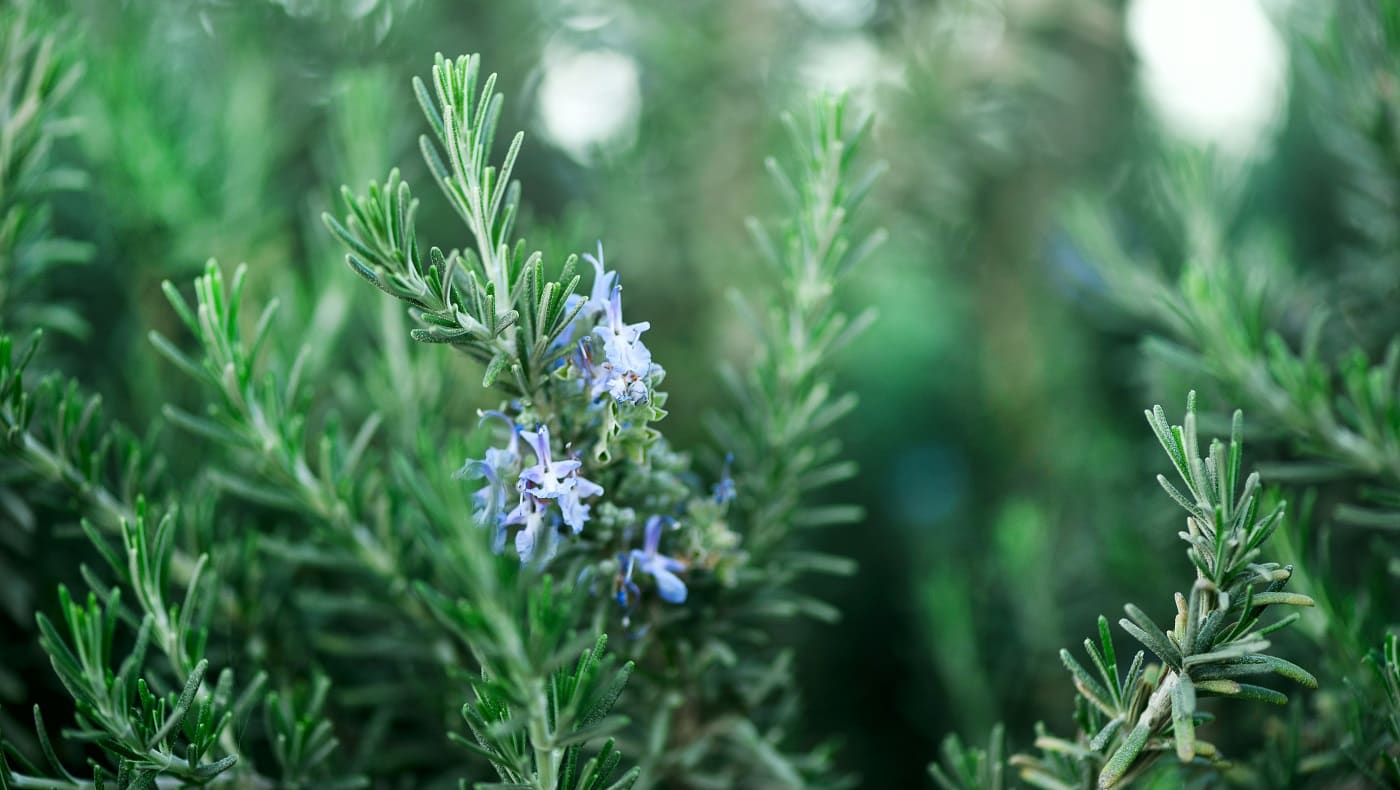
x: 1130, y: 717
x: 560, y: 592
x: 484, y: 524
x: 606, y: 495
x: 1242, y: 311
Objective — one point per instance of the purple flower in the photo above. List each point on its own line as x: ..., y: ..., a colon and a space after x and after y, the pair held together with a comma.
x: 622, y: 375
x: 594, y: 378
x: 571, y: 505
x: 604, y: 378
x: 548, y: 480
x: 661, y: 568
x: 628, y: 360
x: 603, y: 283
x: 531, y: 515
x: 621, y: 340
x: 534, y: 486
x: 498, y: 470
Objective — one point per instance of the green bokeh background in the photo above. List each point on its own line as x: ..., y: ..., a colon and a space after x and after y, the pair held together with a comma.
x: 1005, y: 469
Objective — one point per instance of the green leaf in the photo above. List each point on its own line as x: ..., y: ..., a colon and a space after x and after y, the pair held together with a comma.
x: 1183, y: 721
x: 1127, y: 753
x: 498, y: 363
x: 1281, y: 599
x: 1153, y: 638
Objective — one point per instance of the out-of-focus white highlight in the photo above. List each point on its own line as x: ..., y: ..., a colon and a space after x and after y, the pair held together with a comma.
x: 849, y: 63
x: 839, y: 13
x: 590, y: 100
x: 1215, y: 71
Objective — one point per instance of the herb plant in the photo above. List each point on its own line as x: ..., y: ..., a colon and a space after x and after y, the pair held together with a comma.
x: 635, y: 503
x: 573, y: 602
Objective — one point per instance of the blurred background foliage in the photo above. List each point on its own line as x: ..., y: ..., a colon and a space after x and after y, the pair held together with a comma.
x: 1064, y: 172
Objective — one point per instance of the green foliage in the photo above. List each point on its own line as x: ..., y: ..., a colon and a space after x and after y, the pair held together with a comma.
x: 1338, y: 410
x: 293, y: 509
x: 259, y: 411
x: 1345, y: 71
x: 150, y: 722
x: 966, y: 768
x: 1386, y: 669
x: 150, y: 734
x: 1291, y: 331
x: 785, y: 402
x: 495, y: 303
x: 501, y: 286
x: 785, y: 399
x: 303, y: 744
x: 38, y: 76
x: 1216, y: 639
x: 363, y: 542
x: 532, y: 718
x: 1129, y: 718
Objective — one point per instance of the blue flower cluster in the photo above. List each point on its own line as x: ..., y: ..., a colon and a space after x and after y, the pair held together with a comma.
x: 612, y: 372
x: 547, y: 481
x: 627, y: 361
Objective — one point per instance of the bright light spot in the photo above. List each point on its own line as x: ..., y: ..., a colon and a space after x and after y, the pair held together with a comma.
x: 839, y: 13
x: 585, y: 16
x: 972, y: 31
x: 847, y: 63
x: 590, y: 100
x: 1213, y: 69
x: 587, y: 23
